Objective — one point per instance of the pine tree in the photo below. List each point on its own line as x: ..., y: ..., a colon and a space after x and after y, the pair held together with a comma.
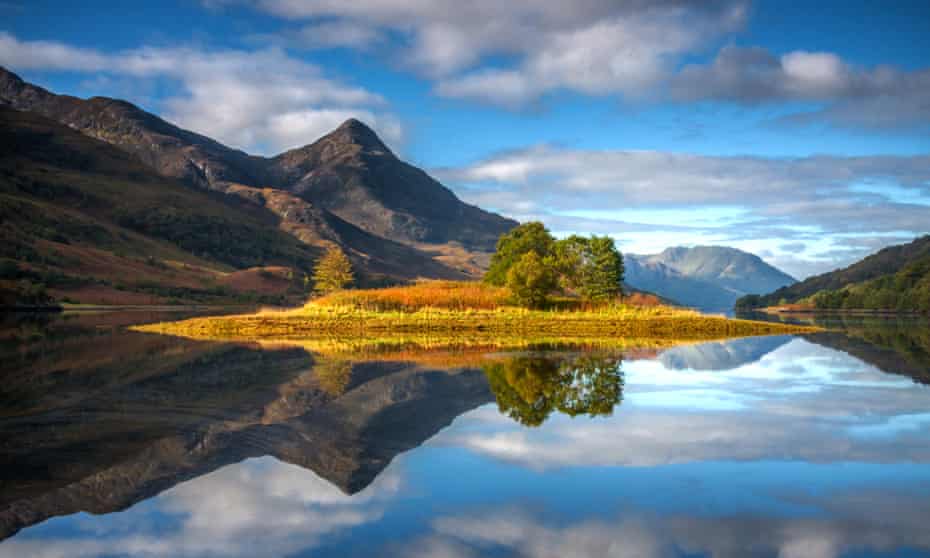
x: 332, y: 272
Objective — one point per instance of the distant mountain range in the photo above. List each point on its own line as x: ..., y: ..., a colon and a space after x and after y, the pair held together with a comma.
x: 900, y: 269
x: 710, y: 278
x: 173, y: 198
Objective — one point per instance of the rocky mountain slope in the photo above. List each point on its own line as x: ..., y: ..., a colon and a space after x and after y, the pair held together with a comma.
x: 349, y: 175
x: 92, y: 223
x: 710, y: 278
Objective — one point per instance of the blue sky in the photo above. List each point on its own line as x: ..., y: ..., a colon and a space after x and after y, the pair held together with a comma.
x: 800, y: 132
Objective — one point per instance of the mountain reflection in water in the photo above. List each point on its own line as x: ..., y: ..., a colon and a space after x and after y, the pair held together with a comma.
x: 757, y: 446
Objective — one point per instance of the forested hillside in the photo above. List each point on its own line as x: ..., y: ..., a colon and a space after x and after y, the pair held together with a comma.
x: 884, y: 262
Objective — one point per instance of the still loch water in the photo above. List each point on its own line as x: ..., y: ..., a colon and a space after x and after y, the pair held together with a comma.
x: 115, y: 443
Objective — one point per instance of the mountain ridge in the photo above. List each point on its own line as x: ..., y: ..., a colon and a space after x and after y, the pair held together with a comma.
x: 349, y: 172
x: 92, y: 223
x: 710, y: 278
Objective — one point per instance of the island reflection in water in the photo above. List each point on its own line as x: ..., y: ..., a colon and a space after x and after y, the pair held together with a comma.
x: 786, y: 446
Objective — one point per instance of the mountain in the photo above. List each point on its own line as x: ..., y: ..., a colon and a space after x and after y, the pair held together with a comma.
x: 92, y: 223
x: 710, y: 278
x: 884, y: 262
x: 168, y: 149
x: 349, y: 174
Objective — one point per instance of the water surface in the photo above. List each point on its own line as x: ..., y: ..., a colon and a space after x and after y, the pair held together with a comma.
x: 115, y: 443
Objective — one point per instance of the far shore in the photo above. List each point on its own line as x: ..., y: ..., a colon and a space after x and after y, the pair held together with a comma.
x: 782, y: 310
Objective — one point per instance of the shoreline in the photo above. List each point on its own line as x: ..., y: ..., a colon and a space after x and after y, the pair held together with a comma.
x: 782, y: 310
x: 621, y: 322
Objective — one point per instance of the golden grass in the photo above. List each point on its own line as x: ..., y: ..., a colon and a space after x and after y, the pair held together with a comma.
x: 450, y: 295
x: 465, y: 308
x: 615, y: 321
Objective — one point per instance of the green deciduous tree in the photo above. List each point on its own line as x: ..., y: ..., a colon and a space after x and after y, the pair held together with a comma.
x: 592, y: 266
x: 512, y: 246
x: 531, y: 280
x: 332, y: 272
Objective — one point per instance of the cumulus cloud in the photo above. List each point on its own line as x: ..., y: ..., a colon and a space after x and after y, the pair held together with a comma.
x: 797, y: 199
x: 879, y: 97
x: 265, y: 101
x: 628, y: 55
x: 513, y: 53
x: 595, y: 46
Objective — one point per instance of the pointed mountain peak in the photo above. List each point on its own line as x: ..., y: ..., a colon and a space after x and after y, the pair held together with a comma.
x: 6, y: 74
x: 354, y: 124
x: 354, y: 131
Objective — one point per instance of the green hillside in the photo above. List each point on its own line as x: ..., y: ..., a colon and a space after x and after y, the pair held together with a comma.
x: 908, y: 290
x: 887, y: 261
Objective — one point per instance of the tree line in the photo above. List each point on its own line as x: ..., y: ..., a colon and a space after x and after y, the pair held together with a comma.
x: 908, y: 290
x: 530, y: 262
x: 534, y: 265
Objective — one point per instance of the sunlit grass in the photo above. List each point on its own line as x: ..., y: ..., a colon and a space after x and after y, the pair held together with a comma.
x: 449, y: 295
x: 621, y: 321
x: 458, y: 308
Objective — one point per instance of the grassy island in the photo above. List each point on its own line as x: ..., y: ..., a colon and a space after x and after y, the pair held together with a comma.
x: 468, y: 308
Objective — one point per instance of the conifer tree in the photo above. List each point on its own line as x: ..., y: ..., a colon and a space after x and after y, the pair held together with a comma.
x: 332, y: 272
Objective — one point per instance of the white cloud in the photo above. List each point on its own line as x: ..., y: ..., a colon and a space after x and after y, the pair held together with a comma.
x: 779, y: 199
x: 265, y: 101
x: 51, y: 55
x: 513, y: 53
x: 880, y: 97
x: 628, y: 55
x: 595, y: 46
x: 340, y: 34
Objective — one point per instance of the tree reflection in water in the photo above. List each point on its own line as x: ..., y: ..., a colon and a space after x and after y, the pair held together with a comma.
x: 528, y: 388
